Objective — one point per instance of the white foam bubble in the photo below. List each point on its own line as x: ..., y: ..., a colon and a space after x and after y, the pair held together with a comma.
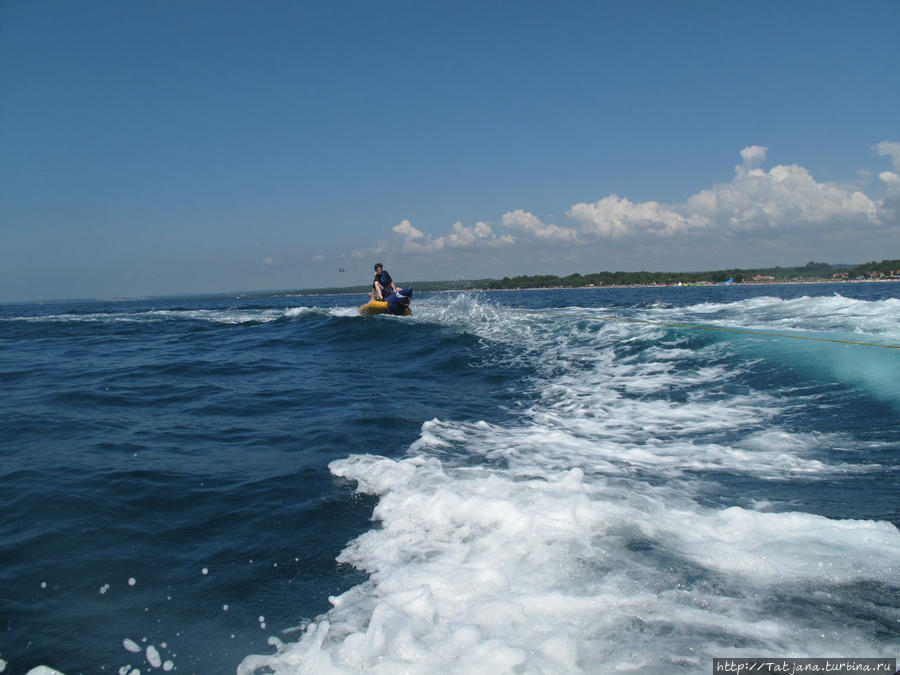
x: 153, y: 658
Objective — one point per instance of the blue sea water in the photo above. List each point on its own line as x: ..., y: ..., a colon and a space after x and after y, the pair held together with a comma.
x: 559, y: 481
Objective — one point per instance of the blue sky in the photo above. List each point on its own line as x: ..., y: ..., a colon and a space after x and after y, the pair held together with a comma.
x: 179, y: 147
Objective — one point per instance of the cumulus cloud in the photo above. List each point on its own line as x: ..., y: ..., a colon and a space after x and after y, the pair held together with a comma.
x: 616, y: 217
x: 531, y: 224
x: 784, y: 196
x: 892, y: 150
x: 890, y: 180
x: 754, y: 155
x: 460, y: 236
x: 362, y: 253
x: 785, y: 202
x: 407, y: 231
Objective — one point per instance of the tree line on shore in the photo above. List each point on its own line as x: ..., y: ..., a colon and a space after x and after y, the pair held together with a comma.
x: 812, y: 271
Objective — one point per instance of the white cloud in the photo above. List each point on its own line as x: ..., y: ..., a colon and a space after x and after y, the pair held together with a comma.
x: 783, y: 197
x: 531, y: 224
x: 460, y: 236
x: 891, y: 149
x: 754, y: 155
x: 407, y: 231
x: 616, y: 217
x: 890, y: 180
x: 318, y: 257
x: 269, y: 261
x: 362, y: 253
x: 781, y: 211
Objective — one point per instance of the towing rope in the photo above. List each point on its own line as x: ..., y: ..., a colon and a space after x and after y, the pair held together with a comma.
x: 699, y: 326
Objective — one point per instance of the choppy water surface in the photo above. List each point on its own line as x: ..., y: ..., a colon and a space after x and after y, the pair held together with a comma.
x: 536, y: 482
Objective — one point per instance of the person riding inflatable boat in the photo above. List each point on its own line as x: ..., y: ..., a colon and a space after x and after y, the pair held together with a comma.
x: 396, y: 303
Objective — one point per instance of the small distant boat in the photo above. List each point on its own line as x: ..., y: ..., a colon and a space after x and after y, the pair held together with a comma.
x: 396, y: 303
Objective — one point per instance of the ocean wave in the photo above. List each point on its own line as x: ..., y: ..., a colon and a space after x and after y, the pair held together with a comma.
x: 580, y: 535
x: 568, y: 481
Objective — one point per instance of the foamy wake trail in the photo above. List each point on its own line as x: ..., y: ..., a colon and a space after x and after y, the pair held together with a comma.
x: 475, y: 571
x: 224, y: 316
x: 240, y: 316
x: 879, y: 319
x: 570, y: 540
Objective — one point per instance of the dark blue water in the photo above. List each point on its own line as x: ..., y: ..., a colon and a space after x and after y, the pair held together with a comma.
x: 574, y: 480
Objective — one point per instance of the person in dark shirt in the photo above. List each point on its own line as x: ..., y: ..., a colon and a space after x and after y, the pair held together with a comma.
x: 383, y: 285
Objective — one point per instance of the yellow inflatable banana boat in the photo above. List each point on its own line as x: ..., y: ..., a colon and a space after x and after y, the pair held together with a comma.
x: 397, y: 304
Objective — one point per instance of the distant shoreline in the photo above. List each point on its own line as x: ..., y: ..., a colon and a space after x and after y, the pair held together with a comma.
x: 811, y: 273
x: 796, y: 282
x: 364, y: 290
x: 481, y: 289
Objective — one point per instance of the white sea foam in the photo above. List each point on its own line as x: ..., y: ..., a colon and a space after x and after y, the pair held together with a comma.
x: 346, y: 312
x: 879, y: 319
x: 77, y: 318
x: 818, y: 322
x: 228, y: 316
x: 223, y: 316
x: 570, y: 539
x: 474, y: 570
x: 302, y: 312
